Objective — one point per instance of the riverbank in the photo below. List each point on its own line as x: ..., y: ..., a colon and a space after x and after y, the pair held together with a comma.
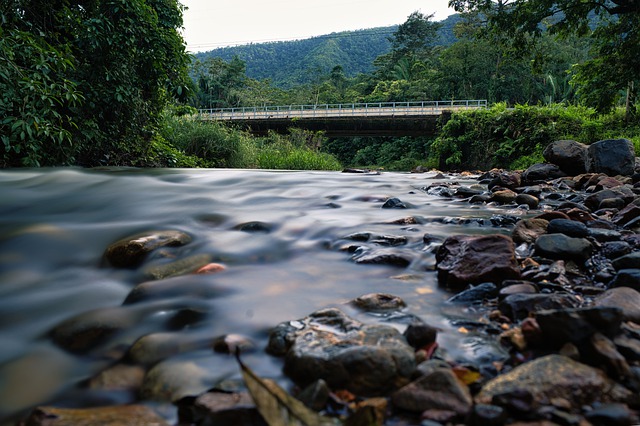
x: 465, y: 299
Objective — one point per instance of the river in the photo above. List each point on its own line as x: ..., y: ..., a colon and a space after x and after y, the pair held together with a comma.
x: 56, y: 224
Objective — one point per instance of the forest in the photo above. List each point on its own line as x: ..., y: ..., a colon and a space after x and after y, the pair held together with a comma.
x: 110, y: 83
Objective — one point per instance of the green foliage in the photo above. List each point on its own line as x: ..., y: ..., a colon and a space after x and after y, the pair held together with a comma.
x: 515, y: 138
x: 84, y: 82
x: 297, y: 151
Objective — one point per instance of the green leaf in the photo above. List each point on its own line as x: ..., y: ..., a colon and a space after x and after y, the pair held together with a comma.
x: 276, y: 406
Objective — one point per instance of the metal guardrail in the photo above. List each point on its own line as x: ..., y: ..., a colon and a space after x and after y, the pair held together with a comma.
x: 386, y: 109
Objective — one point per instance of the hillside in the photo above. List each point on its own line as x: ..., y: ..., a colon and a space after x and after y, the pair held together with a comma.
x: 290, y: 63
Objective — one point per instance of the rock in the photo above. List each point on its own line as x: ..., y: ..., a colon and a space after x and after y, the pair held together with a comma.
x: 187, y: 265
x: 487, y: 415
x: 629, y: 261
x: 528, y: 200
x: 509, y: 180
x: 131, y: 251
x: 255, y: 227
x: 611, y: 415
x: 604, y: 235
x: 577, y: 325
x: 155, y: 347
x: 181, y: 286
x: 116, y: 415
x: 612, y: 157
x: 570, y: 156
x: 419, y: 334
x: 224, y: 409
x: 519, y: 306
x: 119, y: 377
x: 173, y: 380
x: 570, y: 228
x: 594, y: 200
x: 542, y: 172
x: 475, y: 294
x: 364, y: 359
x: 394, y: 203
x: 626, y: 215
x: 440, y: 390
x: 517, y: 288
x: 555, y: 376
x: 528, y: 230
x: 559, y: 246
x: 233, y: 343
x: 316, y: 395
x: 603, y: 353
x: 378, y: 302
x: 380, y: 257
x: 464, y: 260
x: 505, y: 196
x: 615, y: 249
x: 624, y: 298
x: 626, y: 278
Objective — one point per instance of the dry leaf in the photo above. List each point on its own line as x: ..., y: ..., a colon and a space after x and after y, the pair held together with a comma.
x: 276, y: 406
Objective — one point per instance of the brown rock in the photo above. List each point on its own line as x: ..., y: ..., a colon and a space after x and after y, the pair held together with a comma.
x: 225, y: 409
x: 624, y: 298
x: 439, y: 390
x: 464, y: 260
x: 556, y: 376
x: 528, y: 230
x: 131, y: 251
x: 126, y: 415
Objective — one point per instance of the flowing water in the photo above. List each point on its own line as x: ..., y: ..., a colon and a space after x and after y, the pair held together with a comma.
x: 56, y: 224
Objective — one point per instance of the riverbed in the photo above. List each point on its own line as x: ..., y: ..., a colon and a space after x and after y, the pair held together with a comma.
x: 282, y: 238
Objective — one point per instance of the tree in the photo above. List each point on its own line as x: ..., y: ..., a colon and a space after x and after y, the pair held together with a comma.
x: 615, y: 66
x: 99, y: 72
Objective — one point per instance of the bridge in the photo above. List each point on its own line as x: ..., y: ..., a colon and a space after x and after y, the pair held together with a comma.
x: 340, y: 120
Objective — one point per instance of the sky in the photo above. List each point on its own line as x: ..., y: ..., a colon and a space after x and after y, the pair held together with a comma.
x: 209, y: 24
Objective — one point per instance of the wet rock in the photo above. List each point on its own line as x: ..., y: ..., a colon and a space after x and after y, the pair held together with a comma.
x: 519, y: 306
x: 612, y: 157
x: 183, y: 286
x: 173, y: 380
x: 569, y: 155
x: 555, y: 376
x: 420, y: 335
x: 628, y: 261
x: 475, y: 294
x: 570, y: 228
x: 611, y: 203
x: 119, y: 377
x: 542, y: 172
x: 560, y: 246
x: 364, y: 359
x: 391, y: 258
x: 394, y: 203
x: 117, y: 415
x: 604, y: 235
x: 155, y: 347
x: 603, y: 353
x: 131, y: 251
x: 626, y: 215
x: 466, y: 191
x: 487, y: 415
x: 183, y: 266
x: 577, y: 325
x: 506, y: 179
x: 517, y: 288
x: 463, y: 260
x: 593, y: 201
x: 505, y: 196
x: 255, y: 227
x: 528, y: 200
x: 626, y: 278
x: 86, y: 331
x: 615, y: 249
x: 528, y: 230
x: 611, y: 415
x: 624, y: 298
x: 224, y: 409
x: 440, y: 390
x: 378, y: 302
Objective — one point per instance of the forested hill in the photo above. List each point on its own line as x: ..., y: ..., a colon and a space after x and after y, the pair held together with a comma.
x: 291, y: 63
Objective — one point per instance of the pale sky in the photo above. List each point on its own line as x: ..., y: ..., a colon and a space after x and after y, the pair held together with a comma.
x: 210, y: 24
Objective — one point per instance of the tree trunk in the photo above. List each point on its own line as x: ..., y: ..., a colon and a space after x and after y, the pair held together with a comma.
x: 630, y: 107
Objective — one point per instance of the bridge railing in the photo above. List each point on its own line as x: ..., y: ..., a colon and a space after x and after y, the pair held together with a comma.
x: 340, y: 110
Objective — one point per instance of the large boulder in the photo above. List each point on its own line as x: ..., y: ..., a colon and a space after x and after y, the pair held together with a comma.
x: 569, y: 155
x: 472, y: 259
x: 555, y: 377
x: 542, y: 172
x: 612, y: 157
x: 366, y: 359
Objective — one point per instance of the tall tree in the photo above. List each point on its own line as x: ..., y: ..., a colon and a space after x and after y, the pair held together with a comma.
x: 102, y: 69
x: 615, y: 67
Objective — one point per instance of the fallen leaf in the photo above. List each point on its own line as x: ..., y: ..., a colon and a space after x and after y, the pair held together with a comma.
x: 276, y: 406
